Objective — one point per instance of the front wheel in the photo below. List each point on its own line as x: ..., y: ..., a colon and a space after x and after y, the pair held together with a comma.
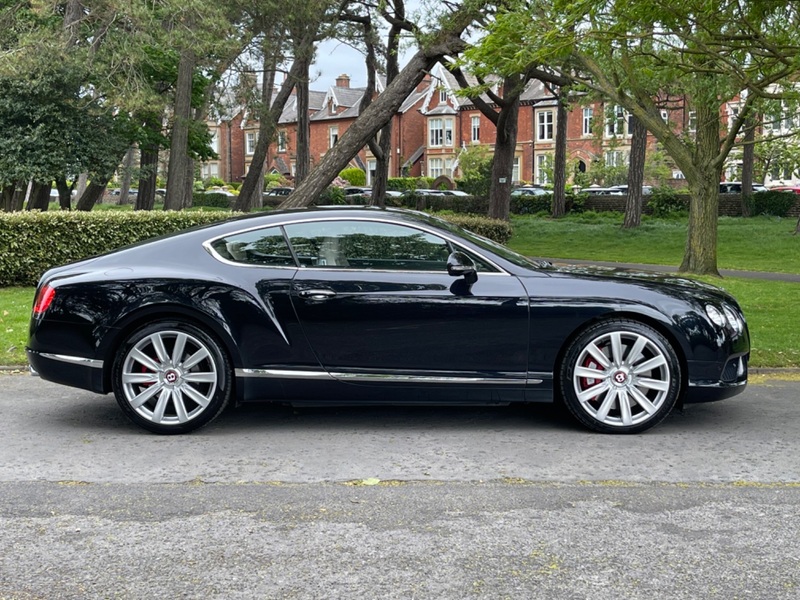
x: 171, y: 377
x: 620, y: 376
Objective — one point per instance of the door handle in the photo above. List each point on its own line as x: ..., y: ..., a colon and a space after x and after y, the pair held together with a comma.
x: 317, y: 294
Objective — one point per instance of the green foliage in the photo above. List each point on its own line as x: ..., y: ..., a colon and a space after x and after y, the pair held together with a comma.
x: 33, y: 242
x: 495, y: 229
x: 213, y: 182
x: 332, y: 195
x: 665, y: 201
x: 776, y: 204
x: 457, y: 204
x: 213, y: 199
x: 531, y: 205
x: 476, y: 166
x: 354, y: 176
x: 402, y: 184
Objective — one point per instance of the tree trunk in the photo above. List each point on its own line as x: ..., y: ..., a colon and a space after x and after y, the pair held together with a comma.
x: 80, y: 186
x: 179, y: 145
x: 64, y: 193
x: 748, y: 163
x: 633, y: 204
x: 40, y: 197
x: 125, y: 185
x: 94, y: 192
x: 384, y: 107
x: 303, y: 157
x: 560, y: 159
x: 148, y: 165
x: 254, y: 180
x: 505, y: 149
x: 8, y: 197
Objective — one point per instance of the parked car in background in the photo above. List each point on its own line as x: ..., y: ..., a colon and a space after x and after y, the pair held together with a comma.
x: 460, y: 193
x: 646, y: 189
x: 795, y: 189
x: 423, y: 192
x: 357, y: 191
x: 530, y: 191
x: 600, y: 191
x: 366, y: 305
x: 278, y: 191
x: 735, y: 187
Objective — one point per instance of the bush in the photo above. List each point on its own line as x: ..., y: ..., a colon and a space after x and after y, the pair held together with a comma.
x: 213, y: 199
x: 213, y: 182
x: 530, y: 205
x: 495, y: 229
x: 665, y: 201
x: 402, y: 184
x: 776, y: 204
x: 457, y: 204
x: 331, y: 196
x: 354, y: 176
x: 33, y: 242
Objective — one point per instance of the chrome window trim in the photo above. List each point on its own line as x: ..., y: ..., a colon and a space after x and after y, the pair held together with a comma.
x: 532, y: 378
x: 210, y: 249
x: 76, y: 360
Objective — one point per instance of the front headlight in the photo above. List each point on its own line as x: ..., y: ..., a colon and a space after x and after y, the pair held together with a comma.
x: 734, y: 320
x: 715, y: 315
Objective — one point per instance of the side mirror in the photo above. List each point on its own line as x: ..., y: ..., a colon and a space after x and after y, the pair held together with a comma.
x: 461, y: 265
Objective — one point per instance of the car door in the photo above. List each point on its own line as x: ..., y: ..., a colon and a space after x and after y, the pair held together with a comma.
x: 378, y: 307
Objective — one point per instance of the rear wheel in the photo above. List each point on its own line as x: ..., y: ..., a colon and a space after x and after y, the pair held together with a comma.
x: 171, y: 377
x: 620, y: 376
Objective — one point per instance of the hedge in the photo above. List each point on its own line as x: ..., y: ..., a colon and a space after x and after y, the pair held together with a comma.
x: 32, y: 242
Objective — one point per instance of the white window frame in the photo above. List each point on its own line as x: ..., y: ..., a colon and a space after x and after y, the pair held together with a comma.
x: 435, y: 167
x: 443, y: 96
x: 281, y: 141
x: 588, y: 120
x: 214, y: 142
x: 333, y: 136
x: 435, y: 133
x: 544, y: 162
x: 691, y: 124
x: 515, y: 171
x: 476, y: 128
x: 616, y: 123
x: 251, y: 139
x: 615, y: 158
x: 545, y: 126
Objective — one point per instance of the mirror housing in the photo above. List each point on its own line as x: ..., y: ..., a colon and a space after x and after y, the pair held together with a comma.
x: 461, y: 265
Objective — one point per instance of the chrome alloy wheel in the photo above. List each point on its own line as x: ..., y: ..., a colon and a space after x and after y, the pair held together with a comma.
x: 622, y: 379
x: 169, y: 377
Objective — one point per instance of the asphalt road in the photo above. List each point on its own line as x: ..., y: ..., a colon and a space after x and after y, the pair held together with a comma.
x: 515, y: 502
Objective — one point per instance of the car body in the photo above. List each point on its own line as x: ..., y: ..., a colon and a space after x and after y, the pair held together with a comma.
x: 647, y: 190
x: 735, y: 187
x: 531, y: 191
x: 460, y: 193
x: 351, y: 305
x: 795, y: 189
x: 423, y: 192
x: 600, y: 191
x: 278, y: 191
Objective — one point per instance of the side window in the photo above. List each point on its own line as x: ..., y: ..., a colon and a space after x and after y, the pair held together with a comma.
x: 367, y: 245
x: 263, y: 247
x: 480, y: 265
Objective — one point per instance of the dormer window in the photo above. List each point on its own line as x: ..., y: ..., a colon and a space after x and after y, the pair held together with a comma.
x: 443, y: 96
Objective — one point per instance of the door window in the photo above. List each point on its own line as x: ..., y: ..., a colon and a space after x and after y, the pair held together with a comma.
x: 263, y: 247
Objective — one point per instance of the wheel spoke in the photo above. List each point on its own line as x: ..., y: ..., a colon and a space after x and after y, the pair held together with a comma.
x: 643, y: 401
x: 588, y: 373
x: 653, y: 384
x: 177, y: 351
x: 598, y: 355
x: 158, y: 346
x: 649, y: 365
x: 624, y: 407
x: 196, y: 396
x: 200, y: 377
x: 145, y: 360
x: 605, y: 407
x: 139, y: 378
x: 195, y: 358
x: 635, y: 352
x: 161, y: 405
x: 180, y: 407
x: 140, y: 399
x: 593, y: 391
x: 616, y: 347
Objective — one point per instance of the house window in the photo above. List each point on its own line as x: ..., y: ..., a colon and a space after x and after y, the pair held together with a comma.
x: 448, y: 167
x: 476, y: 129
x: 435, y: 167
x: 544, y: 168
x: 615, y: 158
x: 665, y: 116
x: 515, y: 172
x: 333, y: 136
x: 214, y: 143
x: 372, y: 166
x: 588, y: 120
x: 252, y: 138
x: 545, y: 125
x: 615, y: 124
x: 282, y: 140
x: 692, y: 124
x: 440, y: 132
x: 733, y: 114
x: 443, y: 96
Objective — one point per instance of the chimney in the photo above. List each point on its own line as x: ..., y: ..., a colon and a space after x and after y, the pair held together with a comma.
x: 343, y: 81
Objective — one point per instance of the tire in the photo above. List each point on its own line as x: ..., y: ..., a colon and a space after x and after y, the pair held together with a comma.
x: 171, y: 377
x: 620, y: 376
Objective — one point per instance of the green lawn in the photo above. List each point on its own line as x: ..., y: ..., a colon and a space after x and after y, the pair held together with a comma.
x: 761, y: 244
x: 757, y: 244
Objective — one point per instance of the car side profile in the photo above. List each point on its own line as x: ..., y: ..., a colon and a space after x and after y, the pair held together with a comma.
x: 367, y: 305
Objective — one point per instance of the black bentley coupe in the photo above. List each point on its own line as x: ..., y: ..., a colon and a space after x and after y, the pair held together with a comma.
x: 352, y: 305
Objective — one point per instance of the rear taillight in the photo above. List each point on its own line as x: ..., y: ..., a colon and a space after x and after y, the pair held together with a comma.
x: 44, y: 299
